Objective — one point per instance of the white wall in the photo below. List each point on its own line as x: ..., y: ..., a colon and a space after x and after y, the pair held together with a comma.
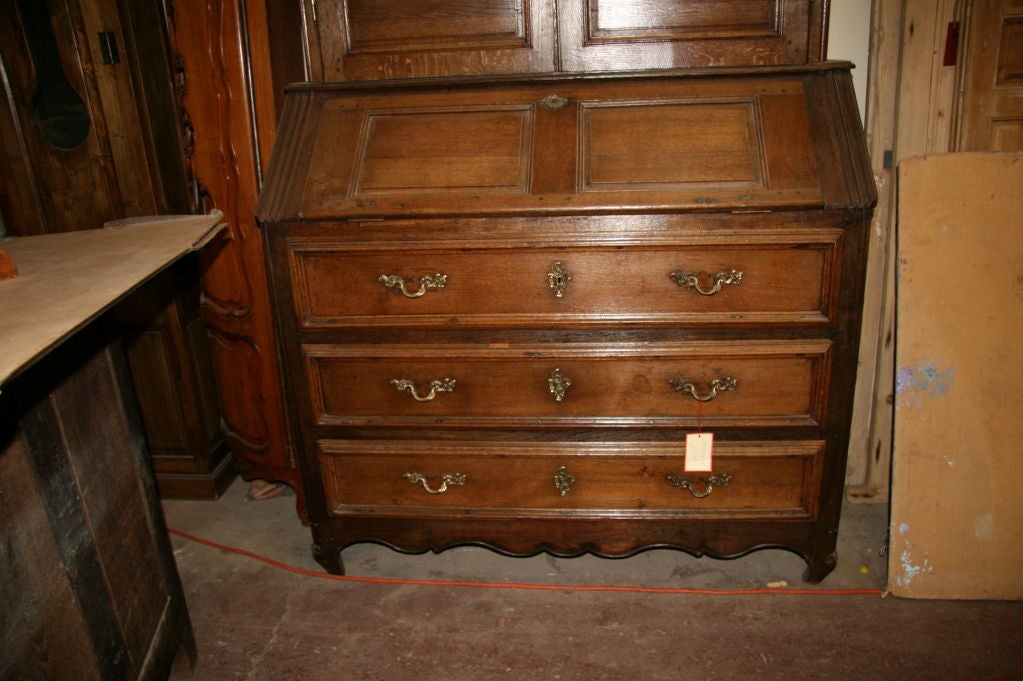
x: 849, y: 40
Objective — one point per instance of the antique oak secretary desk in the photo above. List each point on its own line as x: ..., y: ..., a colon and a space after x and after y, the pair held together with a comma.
x: 520, y: 249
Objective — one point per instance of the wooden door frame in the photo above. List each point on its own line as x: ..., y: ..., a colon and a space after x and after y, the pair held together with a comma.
x: 912, y: 109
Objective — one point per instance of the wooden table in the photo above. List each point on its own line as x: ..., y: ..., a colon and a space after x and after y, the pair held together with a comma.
x: 87, y: 578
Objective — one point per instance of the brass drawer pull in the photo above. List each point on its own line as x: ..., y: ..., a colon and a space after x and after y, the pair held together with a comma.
x: 558, y: 279
x: 709, y: 483
x: 425, y: 283
x: 447, y: 479
x: 718, y: 384
x: 690, y: 280
x: 558, y: 384
x: 563, y: 480
x: 443, y: 385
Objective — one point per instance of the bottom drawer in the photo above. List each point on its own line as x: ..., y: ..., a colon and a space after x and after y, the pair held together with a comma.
x: 444, y: 479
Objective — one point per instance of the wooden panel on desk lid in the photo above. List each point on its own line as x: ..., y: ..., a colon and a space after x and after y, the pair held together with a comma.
x: 8, y: 270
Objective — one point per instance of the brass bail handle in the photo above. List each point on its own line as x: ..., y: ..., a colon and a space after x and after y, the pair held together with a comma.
x: 427, y: 283
x: 725, y: 384
x: 447, y: 479
x: 441, y: 385
x: 691, y: 280
x: 709, y: 483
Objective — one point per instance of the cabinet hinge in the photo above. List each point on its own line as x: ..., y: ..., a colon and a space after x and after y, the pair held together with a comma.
x: 108, y: 48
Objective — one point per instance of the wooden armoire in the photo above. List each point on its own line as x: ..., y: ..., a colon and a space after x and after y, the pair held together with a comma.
x: 231, y: 62
x: 528, y: 256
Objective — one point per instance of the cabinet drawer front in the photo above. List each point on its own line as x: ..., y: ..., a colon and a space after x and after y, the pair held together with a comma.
x: 643, y: 479
x: 769, y: 284
x: 770, y: 383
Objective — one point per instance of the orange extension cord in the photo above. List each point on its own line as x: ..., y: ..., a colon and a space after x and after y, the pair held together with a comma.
x: 536, y: 587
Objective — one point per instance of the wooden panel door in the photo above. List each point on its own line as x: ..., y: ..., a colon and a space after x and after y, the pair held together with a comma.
x: 617, y: 35
x: 992, y: 106
x: 384, y: 39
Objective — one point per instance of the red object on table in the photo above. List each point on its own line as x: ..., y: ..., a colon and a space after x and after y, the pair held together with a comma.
x: 8, y: 269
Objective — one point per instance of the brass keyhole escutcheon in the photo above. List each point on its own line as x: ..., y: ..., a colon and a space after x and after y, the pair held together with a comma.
x: 558, y: 279
x: 558, y: 384
x: 553, y: 102
x: 563, y: 480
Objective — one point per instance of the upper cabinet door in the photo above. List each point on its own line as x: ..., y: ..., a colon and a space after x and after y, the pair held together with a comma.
x: 619, y: 35
x: 387, y: 39
x: 353, y: 40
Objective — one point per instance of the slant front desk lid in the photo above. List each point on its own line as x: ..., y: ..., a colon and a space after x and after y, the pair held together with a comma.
x: 742, y: 139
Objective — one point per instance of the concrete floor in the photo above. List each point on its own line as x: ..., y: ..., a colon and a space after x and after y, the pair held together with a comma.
x: 257, y: 622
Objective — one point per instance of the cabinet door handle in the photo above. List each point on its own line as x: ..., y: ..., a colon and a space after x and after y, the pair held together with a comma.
x: 718, y: 384
x: 690, y: 280
x: 447, y: 479
x: 426, y: 283
x: 442, y: 385
x: 709, y: 483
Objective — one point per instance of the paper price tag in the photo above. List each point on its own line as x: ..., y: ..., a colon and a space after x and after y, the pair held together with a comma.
x: 699, y: 452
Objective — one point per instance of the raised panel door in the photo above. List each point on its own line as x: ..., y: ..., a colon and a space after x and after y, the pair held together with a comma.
x: 618, y: 35
x: 387, y: 39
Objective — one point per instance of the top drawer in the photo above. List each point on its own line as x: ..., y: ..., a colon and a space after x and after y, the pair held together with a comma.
x: 781, y: 279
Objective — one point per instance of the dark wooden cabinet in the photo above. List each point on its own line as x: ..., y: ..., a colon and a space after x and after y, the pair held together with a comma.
x: 168, y: 349
x: 503, y: 304
x: 390, y: 39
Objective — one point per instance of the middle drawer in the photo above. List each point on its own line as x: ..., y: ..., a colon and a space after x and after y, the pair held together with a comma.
x: 715, y: 383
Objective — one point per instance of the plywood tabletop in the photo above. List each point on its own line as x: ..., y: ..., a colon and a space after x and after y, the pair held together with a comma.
x: 66, y: 280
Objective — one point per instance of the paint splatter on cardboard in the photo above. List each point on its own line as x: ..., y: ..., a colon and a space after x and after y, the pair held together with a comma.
x: 931, y: 378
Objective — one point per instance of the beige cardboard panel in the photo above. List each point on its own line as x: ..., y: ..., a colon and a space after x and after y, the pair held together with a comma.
x: 957, y: 485
x: 65, y: 280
